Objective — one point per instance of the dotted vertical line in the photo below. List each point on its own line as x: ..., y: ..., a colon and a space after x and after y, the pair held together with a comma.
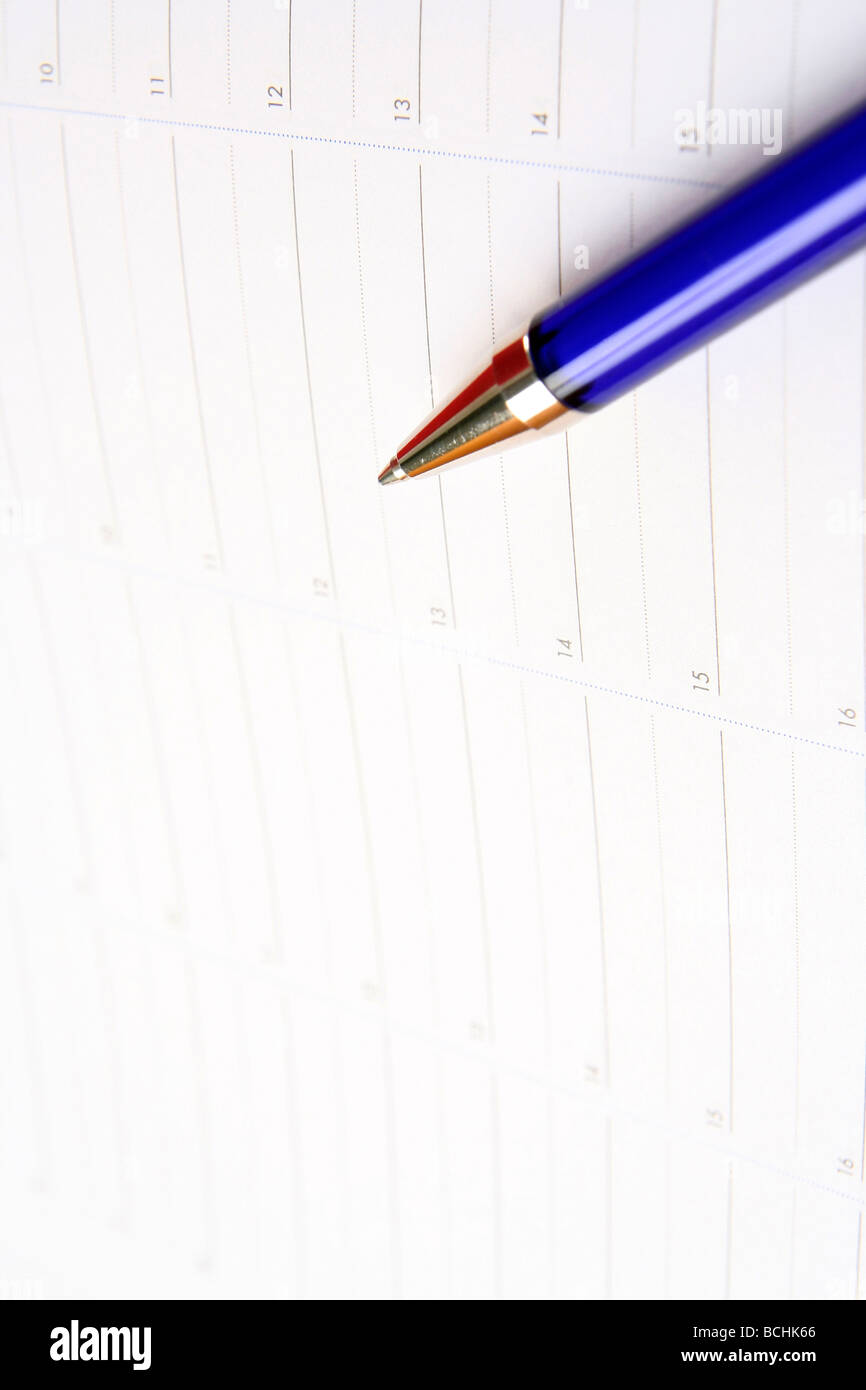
x: 487, y: 70
x: 490, y: 264
x: 354, y: 58
x: 793, y: 1242
x: 229, y: 52
x: 112, y: 46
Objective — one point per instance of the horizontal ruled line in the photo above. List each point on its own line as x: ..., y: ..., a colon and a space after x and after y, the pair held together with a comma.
x: 414, y: 639
x: 664, y: 1122
x: 471, y: 156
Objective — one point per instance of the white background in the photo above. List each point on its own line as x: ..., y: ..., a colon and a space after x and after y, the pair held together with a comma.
x: 385, y: 908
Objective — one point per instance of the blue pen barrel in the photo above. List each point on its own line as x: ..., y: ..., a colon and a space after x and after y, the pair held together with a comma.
x: 744, y: 251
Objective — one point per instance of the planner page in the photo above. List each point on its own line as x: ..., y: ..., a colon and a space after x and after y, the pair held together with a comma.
x: 454, y: 890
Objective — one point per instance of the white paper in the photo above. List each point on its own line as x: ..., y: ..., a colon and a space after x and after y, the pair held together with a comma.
x: 447, y: 891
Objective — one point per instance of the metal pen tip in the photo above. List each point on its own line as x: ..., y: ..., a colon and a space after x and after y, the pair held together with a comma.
x: 500, y: 403
x: 392, y: 474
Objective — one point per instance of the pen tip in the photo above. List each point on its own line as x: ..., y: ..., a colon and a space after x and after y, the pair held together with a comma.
x: 392, y: 474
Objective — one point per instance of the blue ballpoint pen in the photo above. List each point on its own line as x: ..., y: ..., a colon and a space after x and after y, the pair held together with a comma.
x: 746, y: 250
